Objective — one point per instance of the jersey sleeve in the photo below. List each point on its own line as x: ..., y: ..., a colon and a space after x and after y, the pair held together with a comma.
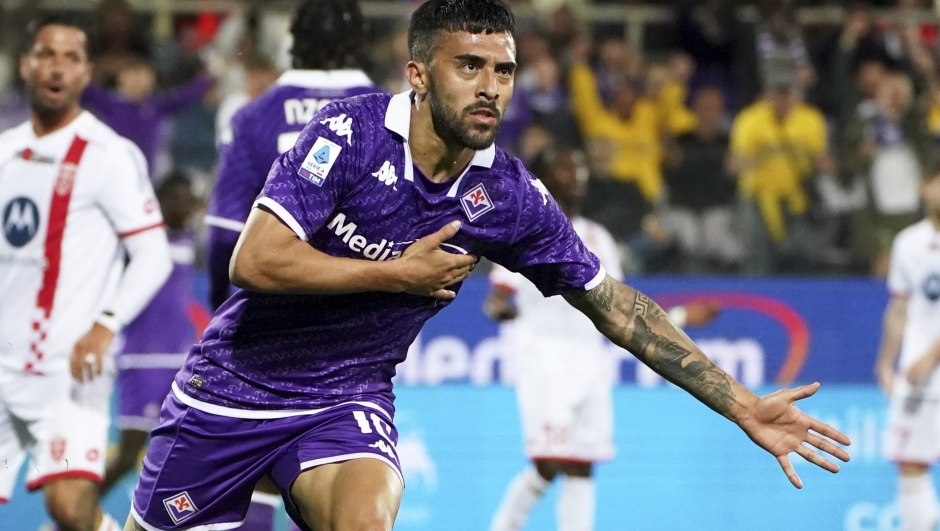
x: 306, y: 183
x: 545, y: 247
x: 239, y: 178
x: 126, y: 194
x: 608, y: 252
x: 899, y: 282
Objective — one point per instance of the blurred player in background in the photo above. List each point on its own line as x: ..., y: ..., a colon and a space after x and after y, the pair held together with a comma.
x: 562, y: 367
x: 912, y: 329
x: 329, y: 52
x: 156, y: 342
x: 77, y: 204
x: 364, y: 230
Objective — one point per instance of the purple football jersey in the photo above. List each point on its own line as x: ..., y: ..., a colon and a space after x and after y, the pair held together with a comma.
x: 259, y: 133
x: 267, y: 127
x: 164, y: 327
x: 349, y: 188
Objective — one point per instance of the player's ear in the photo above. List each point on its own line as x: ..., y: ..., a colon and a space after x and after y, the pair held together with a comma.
x: 417, y: 74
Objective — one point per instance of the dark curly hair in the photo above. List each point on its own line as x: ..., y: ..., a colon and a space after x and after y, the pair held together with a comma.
x: 329, y: 35
x: 68, y: 20
x: 474, y: 16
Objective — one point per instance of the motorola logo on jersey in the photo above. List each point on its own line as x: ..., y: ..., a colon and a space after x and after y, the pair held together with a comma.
x: 20, y: 221
x: 932, y: 287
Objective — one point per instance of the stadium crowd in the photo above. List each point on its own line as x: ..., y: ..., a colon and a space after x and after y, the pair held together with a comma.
x: 728, y: 144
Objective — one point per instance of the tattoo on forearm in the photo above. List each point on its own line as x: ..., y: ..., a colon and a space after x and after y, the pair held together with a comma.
x: 603, y: 295
x: 700, y: 377
x: 641, y: 304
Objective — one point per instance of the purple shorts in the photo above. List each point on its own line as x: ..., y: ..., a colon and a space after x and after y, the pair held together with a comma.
x: 140, y: 395
x: 201, y: 468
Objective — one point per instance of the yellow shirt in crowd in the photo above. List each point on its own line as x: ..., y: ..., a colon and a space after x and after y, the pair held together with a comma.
x: 783, y: 155
x: 637, y: 150
x: 674, y: 115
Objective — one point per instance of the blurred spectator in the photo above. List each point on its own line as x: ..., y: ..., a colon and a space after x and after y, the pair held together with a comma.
x: 259, y: 75
x: 630, y: 124
x: 702, y: 192
x: 540, y: 98
x: 857, y: 67
x: 135, y: 112
x: 709, y: 32
x: 120, y: 40
x: 887, y: 148
x: 776, y: 145
x: 776, y: 45
x: 667, y: 85
x: 616, y: 66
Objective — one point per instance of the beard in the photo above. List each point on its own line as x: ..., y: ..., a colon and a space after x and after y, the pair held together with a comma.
x: 47, y: 110
x: 449, y: 124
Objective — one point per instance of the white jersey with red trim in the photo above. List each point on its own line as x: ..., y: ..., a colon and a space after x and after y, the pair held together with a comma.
x: 66, y: 200
x: 915, y: 273
x: 551, y: 317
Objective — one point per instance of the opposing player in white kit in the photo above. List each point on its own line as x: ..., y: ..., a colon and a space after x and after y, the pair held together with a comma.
x: 75, y: 200
x: 562, y: 368
x: 912, y: 329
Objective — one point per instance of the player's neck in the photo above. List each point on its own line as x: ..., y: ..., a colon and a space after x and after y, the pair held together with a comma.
x: 47, y: 122
x: 438, y: 159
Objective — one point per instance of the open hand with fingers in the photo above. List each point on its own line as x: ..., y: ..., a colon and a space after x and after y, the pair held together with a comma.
x: 428, y: 270
x: 775, y: 424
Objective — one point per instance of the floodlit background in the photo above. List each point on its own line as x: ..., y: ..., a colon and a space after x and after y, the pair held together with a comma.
x: 801, y: 288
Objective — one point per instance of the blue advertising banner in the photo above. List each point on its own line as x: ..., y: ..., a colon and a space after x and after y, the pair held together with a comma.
x: 678, y: 467
x: 770, y: 331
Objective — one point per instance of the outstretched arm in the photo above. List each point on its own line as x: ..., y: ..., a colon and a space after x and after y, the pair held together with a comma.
x: 634, y: 322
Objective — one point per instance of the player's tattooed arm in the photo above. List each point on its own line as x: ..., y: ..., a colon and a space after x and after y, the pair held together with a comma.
x: 633, y: 321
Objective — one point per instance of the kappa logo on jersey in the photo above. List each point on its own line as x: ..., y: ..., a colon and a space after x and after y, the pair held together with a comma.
x: 932, y: 287
x: 180, y: 507
x: 386, y: 174
x: 20, y: 221
x: 319, y: 161
x: 340, y: 125
x: 540, y: 186
x: 476, y: 202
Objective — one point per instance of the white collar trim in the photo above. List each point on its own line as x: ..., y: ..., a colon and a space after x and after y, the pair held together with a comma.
x: 398, y: 121
x: 325, y: 79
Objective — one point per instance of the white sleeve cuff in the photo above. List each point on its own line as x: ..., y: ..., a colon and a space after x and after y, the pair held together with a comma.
x: 596, y: 281
x: 283, y: 215
x: 224, y: 223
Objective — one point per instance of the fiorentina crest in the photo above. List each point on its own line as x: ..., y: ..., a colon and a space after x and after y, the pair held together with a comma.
x: 180, y: 507
x: 476, y: 202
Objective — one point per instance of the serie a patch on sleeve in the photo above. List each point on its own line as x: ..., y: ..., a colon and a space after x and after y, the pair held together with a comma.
x: 316, y: 167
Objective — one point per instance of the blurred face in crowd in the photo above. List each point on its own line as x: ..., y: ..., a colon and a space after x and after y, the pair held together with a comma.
x: 56, y: 69
x: 532, y: 47
x: 783, y: 100
x: 869, y: 77
x: 470, y: 82
x: 656, y: 79
x: 547, y: 73
x: 895, y: 94
x: 624, y: 101
x: 136, y: 81
x: 709, y: 109
x: 567, y: 179
x: 178, y: 204
x: 614, y: 53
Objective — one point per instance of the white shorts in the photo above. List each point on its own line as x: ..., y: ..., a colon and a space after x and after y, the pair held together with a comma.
x: 60, y: 423
x: 913, y: 432
x: 564, y: 394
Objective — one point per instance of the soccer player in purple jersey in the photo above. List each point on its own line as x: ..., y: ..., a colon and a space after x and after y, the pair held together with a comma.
x: 156, y: 342
x: 328, y: 53
x: 364, y: 230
